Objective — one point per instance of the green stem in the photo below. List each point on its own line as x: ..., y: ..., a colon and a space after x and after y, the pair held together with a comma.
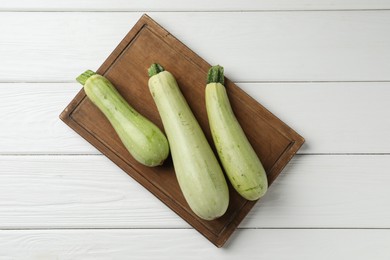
x: 154, y: 69
x: 215, y: 75
x: 84, y: 76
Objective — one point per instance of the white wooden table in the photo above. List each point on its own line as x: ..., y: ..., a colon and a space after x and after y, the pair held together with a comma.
x: 323, y: 68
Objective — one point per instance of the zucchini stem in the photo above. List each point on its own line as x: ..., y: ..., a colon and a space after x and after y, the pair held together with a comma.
x: 84, y: 76
x: 154, y: 69
x: 215, y: 75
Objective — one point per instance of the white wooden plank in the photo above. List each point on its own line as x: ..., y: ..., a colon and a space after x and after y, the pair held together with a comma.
x: 30, y: 119
x: 200, y: 5
x: 328, y: 192
x: 187, y: 244
x: 333, y: 117
x: 253, y: 46
x: 77, y: 192
x: 91, y: 192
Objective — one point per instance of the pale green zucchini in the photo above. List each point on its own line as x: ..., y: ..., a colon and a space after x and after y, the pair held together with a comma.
x: 198, y: 172
x: 239, y: 160
x: 143, y: 139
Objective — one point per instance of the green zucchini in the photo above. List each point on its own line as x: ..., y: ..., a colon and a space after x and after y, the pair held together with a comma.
x: 143, y: 139
x: 198, y: 172
x: 240, y: 162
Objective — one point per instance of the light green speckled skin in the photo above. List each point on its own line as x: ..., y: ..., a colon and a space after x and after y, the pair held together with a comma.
x: 143, y: 139
x: 241, y: 163
x: 199, y: 174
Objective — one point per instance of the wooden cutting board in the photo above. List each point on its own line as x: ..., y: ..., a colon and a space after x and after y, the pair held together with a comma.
x: 126, y: 67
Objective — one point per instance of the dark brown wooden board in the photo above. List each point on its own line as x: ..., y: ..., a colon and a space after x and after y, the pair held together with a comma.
x: 126, y: 67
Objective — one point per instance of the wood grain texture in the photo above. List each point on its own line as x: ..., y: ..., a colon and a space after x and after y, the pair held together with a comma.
x: 262, y: 46
x: 334, y: 117
x: 30, y: 122
x: 201, y: 5
x: 266, y: 43
x: 186, y: 244
x: 314, y: 191
x: 146, y: 43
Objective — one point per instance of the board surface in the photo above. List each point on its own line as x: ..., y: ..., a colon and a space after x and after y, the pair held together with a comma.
x: 126, y: 67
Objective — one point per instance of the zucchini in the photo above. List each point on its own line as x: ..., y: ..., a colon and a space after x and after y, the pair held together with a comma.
x: 239, y: 160
x: 143, y: 139
x: 198, y: 172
